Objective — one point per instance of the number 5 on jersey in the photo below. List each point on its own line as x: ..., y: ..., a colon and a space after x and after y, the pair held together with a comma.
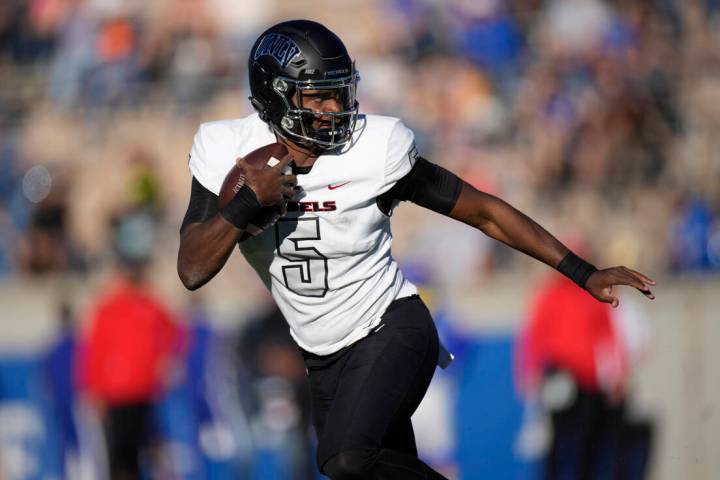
x: 307, y: 271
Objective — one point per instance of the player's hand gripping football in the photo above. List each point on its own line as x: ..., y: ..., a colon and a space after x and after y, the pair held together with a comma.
x: 601, y: 283
x: 270, y: 184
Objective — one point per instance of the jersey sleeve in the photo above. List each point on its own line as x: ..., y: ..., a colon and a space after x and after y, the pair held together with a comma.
x: 209, y: 161
x: 401, y: 155
x: 427, y: 185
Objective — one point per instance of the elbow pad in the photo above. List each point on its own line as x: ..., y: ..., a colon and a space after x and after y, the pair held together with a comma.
x: 428, y: 185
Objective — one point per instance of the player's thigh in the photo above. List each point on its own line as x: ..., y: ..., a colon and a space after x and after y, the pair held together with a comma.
x: 323, y: 383
x: 410, y: 361
x: 382, y: 382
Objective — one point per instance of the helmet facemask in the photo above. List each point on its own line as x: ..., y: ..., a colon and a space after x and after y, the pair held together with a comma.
x: 304, y: 123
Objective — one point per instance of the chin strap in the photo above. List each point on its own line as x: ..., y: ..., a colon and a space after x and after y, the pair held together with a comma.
x: 312, y: 149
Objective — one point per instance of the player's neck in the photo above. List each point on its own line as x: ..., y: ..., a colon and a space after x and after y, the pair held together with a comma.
x: 301, y: 156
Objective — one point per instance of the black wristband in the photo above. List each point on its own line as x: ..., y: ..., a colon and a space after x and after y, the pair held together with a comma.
x: 242, y: 208
x: 576, y: 269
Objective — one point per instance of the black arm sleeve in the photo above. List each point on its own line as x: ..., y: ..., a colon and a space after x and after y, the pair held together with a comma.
x: 427, y: 185
x: 203, y: 205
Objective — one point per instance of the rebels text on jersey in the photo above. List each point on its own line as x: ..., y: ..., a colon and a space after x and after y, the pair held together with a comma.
x: 327, y: 262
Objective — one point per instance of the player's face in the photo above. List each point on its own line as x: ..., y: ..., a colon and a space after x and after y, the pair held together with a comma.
x: 318, y: 101
x: 326, y: 110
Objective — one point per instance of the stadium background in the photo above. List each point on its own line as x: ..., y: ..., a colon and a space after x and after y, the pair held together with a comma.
x: 598, y: 118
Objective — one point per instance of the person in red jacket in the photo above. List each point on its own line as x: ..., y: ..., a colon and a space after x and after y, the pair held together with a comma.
x: 573, y: 360
x: 128, y: 353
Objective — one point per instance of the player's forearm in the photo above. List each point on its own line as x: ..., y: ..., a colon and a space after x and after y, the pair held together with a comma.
x: 499, y: 220
x: 204, y: 249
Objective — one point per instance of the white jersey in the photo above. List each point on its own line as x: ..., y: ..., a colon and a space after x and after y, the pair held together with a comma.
x: 327, y: 262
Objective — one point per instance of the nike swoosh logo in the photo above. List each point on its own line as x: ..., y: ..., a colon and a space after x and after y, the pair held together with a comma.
x: 333, y: 187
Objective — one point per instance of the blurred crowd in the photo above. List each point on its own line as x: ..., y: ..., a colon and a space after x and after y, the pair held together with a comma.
x: 598, y: 118
x: 593, y: 116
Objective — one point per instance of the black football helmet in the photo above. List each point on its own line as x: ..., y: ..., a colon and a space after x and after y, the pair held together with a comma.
x: 293, y: 64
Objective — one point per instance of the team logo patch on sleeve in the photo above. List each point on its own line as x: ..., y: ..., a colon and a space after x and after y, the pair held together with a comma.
x: 413, y: 155
x: 278, y: 46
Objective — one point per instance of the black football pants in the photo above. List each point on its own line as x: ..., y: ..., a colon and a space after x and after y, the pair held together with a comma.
x: 364, y: 395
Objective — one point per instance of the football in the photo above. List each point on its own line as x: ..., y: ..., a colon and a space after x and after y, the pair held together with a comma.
x: 269, y: 155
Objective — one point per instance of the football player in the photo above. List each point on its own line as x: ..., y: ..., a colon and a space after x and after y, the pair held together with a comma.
x: 369, y: 343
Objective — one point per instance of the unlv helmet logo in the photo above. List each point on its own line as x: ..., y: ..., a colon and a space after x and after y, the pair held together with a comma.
x: 278, y: 46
